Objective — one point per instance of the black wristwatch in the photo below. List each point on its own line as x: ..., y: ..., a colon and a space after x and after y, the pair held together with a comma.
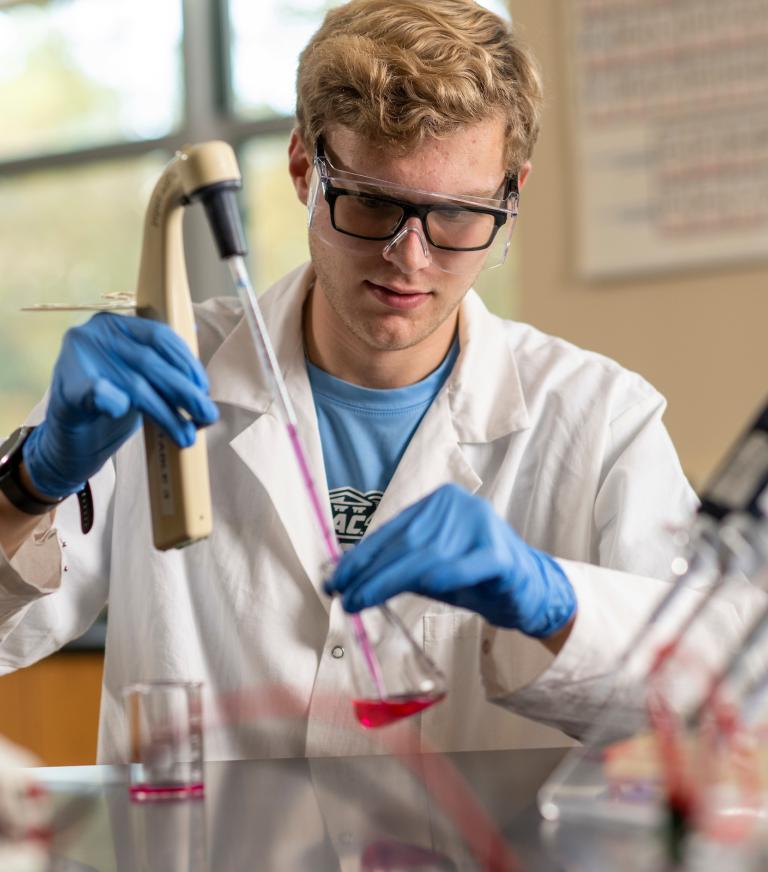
x: 12, y: 486
x: 10, y: 479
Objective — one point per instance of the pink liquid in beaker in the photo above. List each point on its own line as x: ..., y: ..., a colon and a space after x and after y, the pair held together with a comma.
x: 380, y: 712
x: 160, y: 792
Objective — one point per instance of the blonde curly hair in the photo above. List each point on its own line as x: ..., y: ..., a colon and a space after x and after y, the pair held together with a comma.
x: 398, y: 71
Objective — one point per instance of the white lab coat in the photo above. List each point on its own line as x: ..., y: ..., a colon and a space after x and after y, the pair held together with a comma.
x: 568, y: 446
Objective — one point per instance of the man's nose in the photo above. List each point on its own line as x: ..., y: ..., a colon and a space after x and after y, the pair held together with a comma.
x: 409, y: 250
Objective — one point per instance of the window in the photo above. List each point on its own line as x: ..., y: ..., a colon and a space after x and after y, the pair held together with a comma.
x: 86, y: 130
x: 84, y: 73
x: 95, y: 96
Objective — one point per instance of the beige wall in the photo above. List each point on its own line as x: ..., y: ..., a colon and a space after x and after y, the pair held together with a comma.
x: 698, y: 336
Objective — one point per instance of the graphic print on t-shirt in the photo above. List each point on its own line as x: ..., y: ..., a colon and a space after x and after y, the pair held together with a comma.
x: 352, y: 512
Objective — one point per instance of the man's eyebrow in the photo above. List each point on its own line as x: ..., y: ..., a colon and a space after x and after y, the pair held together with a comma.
x: 480, y: 193
x: 484, y: 193
x: 376, y: 184
x: 379, y: 186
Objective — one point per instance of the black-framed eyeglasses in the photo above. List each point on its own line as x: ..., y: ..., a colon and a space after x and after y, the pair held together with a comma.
x: 361, y: 207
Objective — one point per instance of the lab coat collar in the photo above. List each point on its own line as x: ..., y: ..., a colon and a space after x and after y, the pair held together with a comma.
x: 481, y: 401
x: 234, y: 371
x: 485, y: 394
x: 484, y: 388
x: 237, y: 378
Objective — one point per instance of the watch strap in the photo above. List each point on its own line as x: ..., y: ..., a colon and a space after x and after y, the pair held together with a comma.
x: 12, y: 486
x: 18, y: 495
x: 85, y: 501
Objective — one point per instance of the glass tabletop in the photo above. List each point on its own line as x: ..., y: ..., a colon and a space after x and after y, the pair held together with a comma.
x: 463, y: 811
x: 422, y: 813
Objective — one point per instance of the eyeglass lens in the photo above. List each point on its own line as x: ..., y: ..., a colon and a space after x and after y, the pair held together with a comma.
x: 448, y: 227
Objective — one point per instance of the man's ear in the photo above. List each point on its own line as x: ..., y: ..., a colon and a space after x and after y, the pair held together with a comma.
x: 299, y: 165
x: 525, y: 169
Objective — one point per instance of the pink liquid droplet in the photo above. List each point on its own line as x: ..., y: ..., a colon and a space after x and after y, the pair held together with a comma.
x: 381, y: 856
x: 380, y: 712
x: 160, y: 792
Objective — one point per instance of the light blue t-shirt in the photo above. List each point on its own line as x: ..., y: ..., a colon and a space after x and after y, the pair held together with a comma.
x: 364, y: 433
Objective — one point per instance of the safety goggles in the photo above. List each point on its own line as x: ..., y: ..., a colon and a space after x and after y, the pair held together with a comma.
x: 457, y: 234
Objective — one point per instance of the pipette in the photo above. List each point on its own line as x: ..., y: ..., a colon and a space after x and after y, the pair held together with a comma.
x: 269, y: 362
x: 426, y: 684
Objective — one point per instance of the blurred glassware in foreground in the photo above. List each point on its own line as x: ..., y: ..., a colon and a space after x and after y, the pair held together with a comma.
x: 165, y: 720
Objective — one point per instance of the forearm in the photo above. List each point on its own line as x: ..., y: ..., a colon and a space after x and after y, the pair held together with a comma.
x: 17, y: 526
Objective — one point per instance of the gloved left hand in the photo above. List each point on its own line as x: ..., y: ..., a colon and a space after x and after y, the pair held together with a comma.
x: 453, y: 547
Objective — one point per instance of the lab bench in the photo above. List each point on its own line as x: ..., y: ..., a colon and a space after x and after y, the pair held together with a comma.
x: 459, y: 811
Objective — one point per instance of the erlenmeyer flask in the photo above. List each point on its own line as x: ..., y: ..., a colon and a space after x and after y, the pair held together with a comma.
x: 393, y: 677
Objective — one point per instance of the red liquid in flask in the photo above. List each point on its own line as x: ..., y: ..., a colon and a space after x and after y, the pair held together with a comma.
x: 380, y: 712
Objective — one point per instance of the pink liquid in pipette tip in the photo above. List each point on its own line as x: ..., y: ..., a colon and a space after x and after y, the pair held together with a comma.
x: 160, y: 792
x: 331, y: 546
x: 334, y: 553
x: 381, y: 712
x: 262, y: 341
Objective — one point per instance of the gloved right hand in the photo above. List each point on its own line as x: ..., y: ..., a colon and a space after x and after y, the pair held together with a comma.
x: 452, y: 546
x: 111, y: 371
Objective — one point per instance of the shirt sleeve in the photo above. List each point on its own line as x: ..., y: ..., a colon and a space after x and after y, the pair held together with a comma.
x: 571, y: 690
x: 57, y: 583
x: 642, y: 497
x: 568, y: 690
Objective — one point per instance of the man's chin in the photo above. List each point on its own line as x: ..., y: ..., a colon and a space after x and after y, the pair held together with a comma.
x: 395, y: 335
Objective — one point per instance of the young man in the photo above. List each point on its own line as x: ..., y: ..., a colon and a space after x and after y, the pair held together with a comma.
x: 521, y: 486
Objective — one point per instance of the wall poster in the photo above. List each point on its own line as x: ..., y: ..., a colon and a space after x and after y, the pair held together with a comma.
x: 670, y: 116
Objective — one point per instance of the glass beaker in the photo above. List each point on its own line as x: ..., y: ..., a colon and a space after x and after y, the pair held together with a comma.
x: 165, y: 720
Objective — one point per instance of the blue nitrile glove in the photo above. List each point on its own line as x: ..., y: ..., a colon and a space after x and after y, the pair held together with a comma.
x: 110, y: 372
x: 452, y: 546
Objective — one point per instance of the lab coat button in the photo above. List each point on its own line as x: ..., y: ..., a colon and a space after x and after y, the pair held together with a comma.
x: 337, y: 651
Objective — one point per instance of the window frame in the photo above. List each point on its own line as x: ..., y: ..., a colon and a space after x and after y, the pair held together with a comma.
x: 207, y: 113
